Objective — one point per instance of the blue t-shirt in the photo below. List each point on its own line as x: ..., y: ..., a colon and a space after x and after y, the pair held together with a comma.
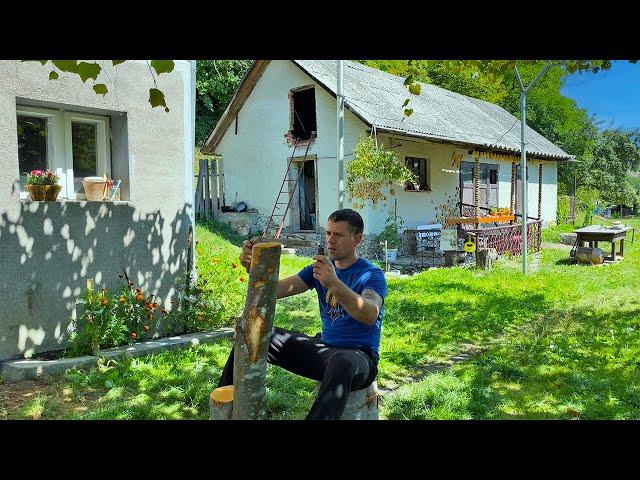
x: 338, y: 327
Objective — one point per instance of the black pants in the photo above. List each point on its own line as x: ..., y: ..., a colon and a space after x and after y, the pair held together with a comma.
x: 341, y: 370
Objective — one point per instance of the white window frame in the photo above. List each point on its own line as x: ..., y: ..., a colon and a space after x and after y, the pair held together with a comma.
x: 60, y: 149
x: 55, y: 141
x: 103, y: 152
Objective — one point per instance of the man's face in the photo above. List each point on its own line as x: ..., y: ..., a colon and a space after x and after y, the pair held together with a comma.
x: 341, y: 241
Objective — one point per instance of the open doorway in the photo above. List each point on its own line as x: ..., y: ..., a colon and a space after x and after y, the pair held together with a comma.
x: 304, y: 206
x: 303, y: 113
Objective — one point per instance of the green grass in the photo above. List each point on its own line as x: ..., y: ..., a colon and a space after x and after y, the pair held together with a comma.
x: 562, y: 342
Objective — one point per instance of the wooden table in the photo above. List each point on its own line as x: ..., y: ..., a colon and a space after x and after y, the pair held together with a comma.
x: 598, y: 233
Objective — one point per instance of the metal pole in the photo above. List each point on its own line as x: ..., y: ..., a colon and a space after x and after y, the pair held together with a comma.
x: 340, y: 133
x: 523, y: 163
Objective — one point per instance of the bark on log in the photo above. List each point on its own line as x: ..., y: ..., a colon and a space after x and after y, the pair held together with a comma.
x: 593, y: 256
x: 361, y: 404
x: 253, y: 334
x: 221, y: 403
x: 485, y: 257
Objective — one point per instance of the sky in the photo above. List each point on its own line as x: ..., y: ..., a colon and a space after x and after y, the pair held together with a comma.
x: 612, y: 95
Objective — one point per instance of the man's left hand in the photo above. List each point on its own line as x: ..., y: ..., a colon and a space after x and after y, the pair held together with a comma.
x: 324, y: 271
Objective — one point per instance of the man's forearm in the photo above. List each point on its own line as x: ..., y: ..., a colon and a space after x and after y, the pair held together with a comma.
x: 360, y: 308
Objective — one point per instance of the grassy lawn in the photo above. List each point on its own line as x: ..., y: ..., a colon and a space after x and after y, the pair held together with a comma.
x: 563, y: 342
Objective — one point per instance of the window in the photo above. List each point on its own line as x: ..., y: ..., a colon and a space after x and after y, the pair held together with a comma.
x: 74, y: 145
x: 303, y: 121
x: 420, y: 167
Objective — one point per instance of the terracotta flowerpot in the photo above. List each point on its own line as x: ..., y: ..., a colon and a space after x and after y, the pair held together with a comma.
x: 47, y: 193
x: 94, y: 188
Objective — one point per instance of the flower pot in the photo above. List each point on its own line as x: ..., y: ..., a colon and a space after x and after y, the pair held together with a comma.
x: 94, y: 188
x: 47, y: 193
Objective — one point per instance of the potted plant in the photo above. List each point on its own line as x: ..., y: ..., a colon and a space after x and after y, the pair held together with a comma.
x: 493, y: 211
x: 389, y: 234
x: 43, y: 185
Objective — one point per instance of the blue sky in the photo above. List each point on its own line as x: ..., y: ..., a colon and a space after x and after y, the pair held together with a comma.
x: 612, y: 95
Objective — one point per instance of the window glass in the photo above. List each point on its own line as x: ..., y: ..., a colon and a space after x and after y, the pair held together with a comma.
x: 32, y: 145
x: 85, y: 156
x: 419, y: 167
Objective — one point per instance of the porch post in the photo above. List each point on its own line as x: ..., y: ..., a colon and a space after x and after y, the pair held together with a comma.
x: 514, y: 180
x: 539, y: 191
x: 476, y: 183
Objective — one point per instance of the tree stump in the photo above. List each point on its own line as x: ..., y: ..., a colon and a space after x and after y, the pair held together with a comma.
x: 221, y: 403
x: 485, y: 257
x: 588, y: 255
x: 361, y: 404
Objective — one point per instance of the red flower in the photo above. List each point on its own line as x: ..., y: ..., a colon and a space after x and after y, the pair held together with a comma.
x: 145, y: 328
x: 134, y: 335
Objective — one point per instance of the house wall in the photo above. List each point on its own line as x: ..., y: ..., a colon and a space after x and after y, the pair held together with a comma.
x: 50, y: 249
x: 256, y: 158
x: 418, y: 208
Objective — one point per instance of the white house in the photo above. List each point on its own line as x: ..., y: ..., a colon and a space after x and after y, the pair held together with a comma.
x: 283, y: 99
x: 50, y: 249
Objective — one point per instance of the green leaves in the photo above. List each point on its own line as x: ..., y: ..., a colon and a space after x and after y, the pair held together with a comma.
x: 162, y: 66
x: 117, y: 62
x: 415, y: 89
x: 100, y: 89
x: 88, y: 70
x: 53, y: 75
x: 156, y: 98
x: 408, y: 112
x: 406, y: 102
x: 66, y: 65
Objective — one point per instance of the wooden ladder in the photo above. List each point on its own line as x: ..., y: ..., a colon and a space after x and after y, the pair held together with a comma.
x: 287, y: 188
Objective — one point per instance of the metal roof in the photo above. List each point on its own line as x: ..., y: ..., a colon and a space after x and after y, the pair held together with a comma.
x: 377, y: 97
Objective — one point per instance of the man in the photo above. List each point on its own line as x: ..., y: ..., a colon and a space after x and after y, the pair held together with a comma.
x: 351, y: 291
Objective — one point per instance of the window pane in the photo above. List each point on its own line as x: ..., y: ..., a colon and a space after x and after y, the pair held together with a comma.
x: 493, y: 176
x: 83, y: 141
x: 32, y: 145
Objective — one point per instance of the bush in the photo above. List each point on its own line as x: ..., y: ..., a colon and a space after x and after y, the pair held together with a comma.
x: 562, y: 211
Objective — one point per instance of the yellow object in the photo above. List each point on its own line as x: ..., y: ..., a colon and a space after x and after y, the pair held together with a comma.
x: 469, y: 246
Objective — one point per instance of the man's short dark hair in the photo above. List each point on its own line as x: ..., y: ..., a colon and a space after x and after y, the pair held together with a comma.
x: 352, y: 217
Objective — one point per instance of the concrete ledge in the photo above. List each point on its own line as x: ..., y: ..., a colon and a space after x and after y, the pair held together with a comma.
x: 17, y: 370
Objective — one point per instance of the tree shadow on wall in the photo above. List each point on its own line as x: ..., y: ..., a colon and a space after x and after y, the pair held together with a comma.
x: 50, y: 249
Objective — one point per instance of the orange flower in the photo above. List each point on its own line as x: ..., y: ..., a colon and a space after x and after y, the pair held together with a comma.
x: 139, y: 297
x: 104, y: 301
x: 134, y: 335
x: 148, y: 305
x: 242, y: 279
x: 234, y: 264
x: 145, y: 328
x: 155, y: 305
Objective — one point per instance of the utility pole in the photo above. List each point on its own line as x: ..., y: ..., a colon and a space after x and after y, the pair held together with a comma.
x: 523, y: 158
x: 340, y: 132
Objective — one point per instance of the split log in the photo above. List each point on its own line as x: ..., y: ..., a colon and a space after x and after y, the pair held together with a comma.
x: 485, y: 257
x: 221, y: 403
x: 253, y: 334
x: 593, y: 256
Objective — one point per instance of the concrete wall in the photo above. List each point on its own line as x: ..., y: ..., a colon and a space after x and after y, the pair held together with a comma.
x: 50, y: 249
x: 256, y: 158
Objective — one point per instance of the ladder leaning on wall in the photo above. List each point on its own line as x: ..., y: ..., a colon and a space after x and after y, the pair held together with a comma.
x: 288, y: 188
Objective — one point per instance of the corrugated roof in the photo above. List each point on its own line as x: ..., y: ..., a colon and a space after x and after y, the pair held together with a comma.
x: 439, y: 114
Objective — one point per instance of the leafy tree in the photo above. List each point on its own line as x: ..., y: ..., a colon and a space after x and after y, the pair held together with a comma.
x: 216, y: 82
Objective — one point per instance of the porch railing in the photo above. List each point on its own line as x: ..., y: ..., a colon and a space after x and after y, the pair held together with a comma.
x: 508, y: 238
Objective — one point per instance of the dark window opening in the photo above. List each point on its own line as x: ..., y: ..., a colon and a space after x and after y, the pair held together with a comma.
x: 420, y: 167
x: 304, y: 114
x: 32, y: 145
x: 493, y: 177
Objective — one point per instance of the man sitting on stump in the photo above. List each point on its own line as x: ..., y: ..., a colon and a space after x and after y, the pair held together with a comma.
x: 351, y: 291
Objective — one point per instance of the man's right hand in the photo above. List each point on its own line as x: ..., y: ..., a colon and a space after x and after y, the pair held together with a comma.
x: 245, y: 256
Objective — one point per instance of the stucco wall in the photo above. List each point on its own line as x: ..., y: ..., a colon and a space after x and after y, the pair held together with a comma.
x: 256, y: 158
x: 49, y: 250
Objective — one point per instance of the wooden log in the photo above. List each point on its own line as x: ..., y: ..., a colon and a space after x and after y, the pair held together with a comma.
x: 485, y: 257
x: 221, y: 403
x: 593, y: 256
x: 362, y: 404
x: 253, y: 334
